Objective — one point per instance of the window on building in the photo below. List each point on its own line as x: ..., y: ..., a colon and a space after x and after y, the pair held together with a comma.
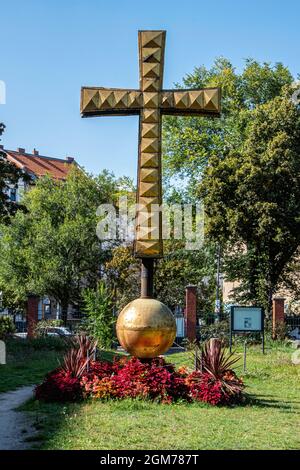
x: 47, y: 310
x: 13, y: 194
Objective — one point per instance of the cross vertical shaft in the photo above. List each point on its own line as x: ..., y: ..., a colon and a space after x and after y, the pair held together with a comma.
x: 149, y: 191
x: 148, y: 242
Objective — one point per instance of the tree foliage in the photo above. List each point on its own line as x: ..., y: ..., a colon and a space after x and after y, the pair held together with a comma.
x: 252, y: 198
x: 52, y: 248
x: 9, y: 174
x: 100, y: 320
x: 7, y: 327
x: 245, y: 167
x: 188, y: 142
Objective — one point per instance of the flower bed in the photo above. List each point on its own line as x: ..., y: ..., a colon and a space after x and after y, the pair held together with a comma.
x: 132, y: 378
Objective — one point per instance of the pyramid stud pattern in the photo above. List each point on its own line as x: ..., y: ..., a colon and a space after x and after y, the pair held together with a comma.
x: 150, y: 102
x: 149, y: 160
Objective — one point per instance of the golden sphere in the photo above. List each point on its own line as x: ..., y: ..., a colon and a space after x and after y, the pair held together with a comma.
x: 146, y: 328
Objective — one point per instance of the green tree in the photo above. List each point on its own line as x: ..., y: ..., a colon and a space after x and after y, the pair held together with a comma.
x: 252, y: 198
x: 7, y: 327
x: 122, y: 272
x: 9, y: 174
x: 100, y: 321
x: 188, y: 142
x: 181, y: 267
x: 199, y: 148
x: 52, y: 248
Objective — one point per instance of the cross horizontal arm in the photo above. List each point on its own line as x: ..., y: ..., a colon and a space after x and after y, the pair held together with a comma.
x: 116, y: 101
x: 206, y: 101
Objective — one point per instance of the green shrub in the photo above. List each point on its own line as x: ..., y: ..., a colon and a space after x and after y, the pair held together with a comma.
x: 282, y: 330
x: 7, y: 326
x: 282, y: 335
x: 21, y: 347
x: 52, y: 343
x: 216, y: 330
x: 100, y: 320
x: 252, y: 338
x: 221, y: 330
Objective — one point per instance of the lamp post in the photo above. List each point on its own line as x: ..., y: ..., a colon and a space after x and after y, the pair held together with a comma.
x: 218, y: 301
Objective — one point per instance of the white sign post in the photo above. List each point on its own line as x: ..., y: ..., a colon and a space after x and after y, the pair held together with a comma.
x: 247, y: 320
x: 2, y: 353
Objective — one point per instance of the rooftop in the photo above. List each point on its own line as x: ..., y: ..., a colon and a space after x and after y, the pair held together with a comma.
x: 39, y: 165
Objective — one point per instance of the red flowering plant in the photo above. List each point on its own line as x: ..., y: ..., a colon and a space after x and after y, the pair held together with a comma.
x: 64, y: 383
x: 216, y: 382
x: 95, y: 378
x: 132, y: 378
x: 162, y: 376
x: 153, y: 379
x: 92, y: 377
x: 59, y: 385
x: 103, y: 389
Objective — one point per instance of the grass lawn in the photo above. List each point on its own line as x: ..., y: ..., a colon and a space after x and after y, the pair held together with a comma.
x: 28, y: 362
x: 270, y: 421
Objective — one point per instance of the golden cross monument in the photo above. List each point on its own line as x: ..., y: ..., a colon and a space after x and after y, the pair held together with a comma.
x: 149, y: 102
x: 146, y: 327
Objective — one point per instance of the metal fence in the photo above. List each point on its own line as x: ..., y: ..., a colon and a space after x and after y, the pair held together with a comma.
x: 211, y: 318
x: 293, y: 325
x: 292, y: 320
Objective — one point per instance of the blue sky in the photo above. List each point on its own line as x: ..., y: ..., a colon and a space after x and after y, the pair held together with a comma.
x: 49, y: 49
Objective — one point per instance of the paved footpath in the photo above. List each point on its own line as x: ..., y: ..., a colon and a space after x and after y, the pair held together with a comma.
x: 15, y: 426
